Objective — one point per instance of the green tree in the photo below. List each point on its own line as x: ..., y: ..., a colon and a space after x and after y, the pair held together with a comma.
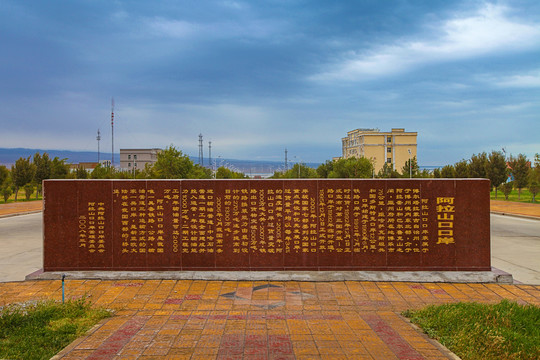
x: 425, y: 174
x: 4, y: 174
x: 298, y: 171
x: 507, y: 188
x: 437, y: 173
x: 59, y: 168
x: 462, y: 169
x: 224, y: 173
x: 103, y: 172
x: 448, y: 171
x: 278, y: 174
x: 520, y: 170
x: 6, y: 191
x: 22, y: 173
x: 145, y: 173
x: 534, y: 180
x: 534, y: 187
x: 324, y: 169
x: 172, y: 164
x: 199, y: 172
x: 81, y: 173
x: 412, y: 171
x: 352, y: 168
x: 478, y: 166
x: 496, y: 170
x: 43, y: 170
x: 387, y: 171
x: 28, y: 190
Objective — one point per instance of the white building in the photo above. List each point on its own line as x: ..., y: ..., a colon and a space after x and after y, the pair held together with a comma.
x: 136, y: 159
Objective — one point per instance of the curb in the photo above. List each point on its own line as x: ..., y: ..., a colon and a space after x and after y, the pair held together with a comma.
x: 494, y: 276
x: 515, y: 215
x: 20, y: 213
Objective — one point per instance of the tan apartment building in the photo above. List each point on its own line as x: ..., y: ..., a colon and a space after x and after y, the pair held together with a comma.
x: 136, y: 159
x: 393, y: 147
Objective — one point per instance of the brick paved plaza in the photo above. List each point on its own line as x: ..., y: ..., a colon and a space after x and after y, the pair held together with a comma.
x: 168, y: 319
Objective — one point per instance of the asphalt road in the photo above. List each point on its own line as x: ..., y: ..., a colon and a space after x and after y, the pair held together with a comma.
x: 515, y: 247
x: 21, y: 244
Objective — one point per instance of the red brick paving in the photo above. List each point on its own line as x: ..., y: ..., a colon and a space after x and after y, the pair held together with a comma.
x: 20, y: 207
x: 330, y: 320
x: 518, y: 208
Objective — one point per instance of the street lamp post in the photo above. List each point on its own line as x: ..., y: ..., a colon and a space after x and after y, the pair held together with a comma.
x: 410, y: 164
x: 297, y: 163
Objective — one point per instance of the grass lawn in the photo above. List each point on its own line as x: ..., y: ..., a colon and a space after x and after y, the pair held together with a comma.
x: 40, y: 330
x: 526, y: 196
x: 481, y: 331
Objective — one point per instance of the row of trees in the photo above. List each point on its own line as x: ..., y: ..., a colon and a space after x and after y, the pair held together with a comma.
x: 28, y: 173
x: 171, y: 163
x: 497, y: 168
x: 351, y: 168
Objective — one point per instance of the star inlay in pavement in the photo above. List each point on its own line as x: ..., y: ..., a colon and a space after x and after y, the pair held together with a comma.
x: 243, y: 296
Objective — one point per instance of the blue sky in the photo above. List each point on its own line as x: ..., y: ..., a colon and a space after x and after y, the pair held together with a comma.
x: 257, y: 77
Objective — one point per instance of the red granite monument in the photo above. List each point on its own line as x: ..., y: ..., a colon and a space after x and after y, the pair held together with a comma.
x: 394, y: 224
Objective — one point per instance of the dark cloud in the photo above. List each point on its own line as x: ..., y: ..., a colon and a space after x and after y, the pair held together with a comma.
x: 258, y: 77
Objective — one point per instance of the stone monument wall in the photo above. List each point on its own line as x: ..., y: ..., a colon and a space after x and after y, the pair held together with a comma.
x: 394, y: 224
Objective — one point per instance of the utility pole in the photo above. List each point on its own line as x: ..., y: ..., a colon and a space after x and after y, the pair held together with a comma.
x: 98, y: 138
x: 112, y: 132
x: 201, y: 159
x: 210, y: 154
x: 410, y: 164
x: 286, y: 165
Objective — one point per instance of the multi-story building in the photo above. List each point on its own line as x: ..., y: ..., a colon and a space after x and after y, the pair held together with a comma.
x: 136, y: 159
x: 394, y: 147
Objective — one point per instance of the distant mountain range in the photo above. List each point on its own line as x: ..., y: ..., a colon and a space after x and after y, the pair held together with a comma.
x: 9, y: 156
x: 253, y: 167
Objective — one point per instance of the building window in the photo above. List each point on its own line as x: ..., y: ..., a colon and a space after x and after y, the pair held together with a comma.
x: 129, y: 157
x: 135, y: 164
x: 389, y: 150
x: 389, y: 160
x: 129, y: 164
x: 389, y: 139
x: 135, y: 158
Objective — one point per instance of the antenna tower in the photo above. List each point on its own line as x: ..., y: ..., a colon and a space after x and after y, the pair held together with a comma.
x: 286, y: 164
x: 98, y: 138
x: 201, y: 159
x: 112, y: 131
x: 210, y: 154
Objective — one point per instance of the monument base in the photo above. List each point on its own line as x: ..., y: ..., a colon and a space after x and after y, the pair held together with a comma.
x: 493, y: 276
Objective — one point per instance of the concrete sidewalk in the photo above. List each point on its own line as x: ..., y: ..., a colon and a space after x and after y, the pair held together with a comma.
x: 187, y: 319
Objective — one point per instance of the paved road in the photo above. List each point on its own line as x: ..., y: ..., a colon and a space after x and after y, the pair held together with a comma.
x: 515, y: 245
x: 21, y: 246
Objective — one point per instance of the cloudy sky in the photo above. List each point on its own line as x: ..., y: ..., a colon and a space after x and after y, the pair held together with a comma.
x: 257, y: 77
